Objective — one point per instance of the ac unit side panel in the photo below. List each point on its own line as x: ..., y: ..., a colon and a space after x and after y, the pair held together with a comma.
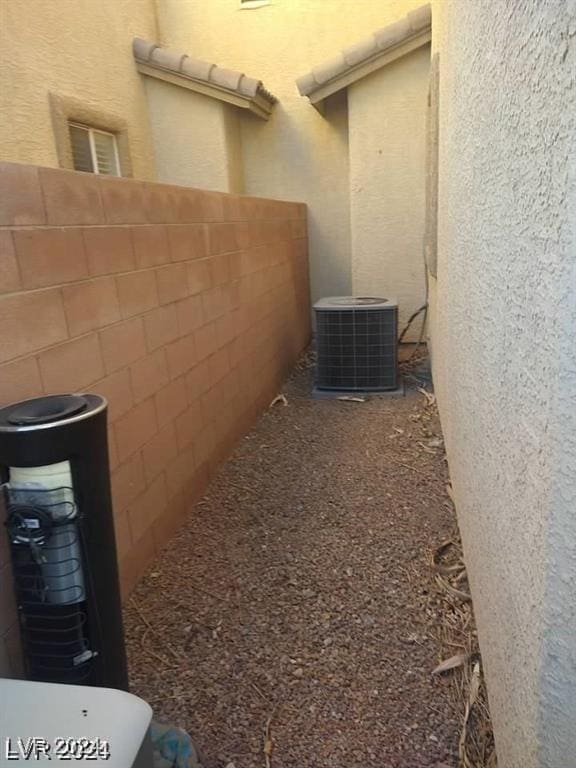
x: 357, y: 349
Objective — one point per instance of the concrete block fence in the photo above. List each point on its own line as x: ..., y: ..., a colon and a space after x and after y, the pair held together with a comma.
x: 184, y: 308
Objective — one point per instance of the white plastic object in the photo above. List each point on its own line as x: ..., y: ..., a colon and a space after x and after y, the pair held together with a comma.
x: 79, y: 715
x: 49, y: 476
x: 62, y: 567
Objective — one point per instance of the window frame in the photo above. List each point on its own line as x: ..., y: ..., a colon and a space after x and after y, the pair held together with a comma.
x: 91, y: 130
x: 66, y: 110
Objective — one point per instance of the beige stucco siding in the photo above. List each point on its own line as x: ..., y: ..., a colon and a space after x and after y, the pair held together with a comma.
x: 234, y: 151
x: 190, y: 137
x: 504, y: 354
x: 280, y: 158
x: 297, y: 154
x: 72, y: 48
x: 387, y: 145
x: 82, y: 50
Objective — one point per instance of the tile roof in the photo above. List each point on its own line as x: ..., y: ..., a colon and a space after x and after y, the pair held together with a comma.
x: 225, y: 84
x: 356, y: 61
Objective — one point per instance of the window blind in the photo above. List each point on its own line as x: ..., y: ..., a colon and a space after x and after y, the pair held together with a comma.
x: 94, y: 151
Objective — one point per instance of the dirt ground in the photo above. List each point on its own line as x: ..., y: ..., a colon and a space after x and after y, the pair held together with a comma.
x: 294, y: 608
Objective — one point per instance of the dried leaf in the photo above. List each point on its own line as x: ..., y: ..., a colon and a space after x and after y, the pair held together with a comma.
x: 472, y: 696
x: 452, y: 663
x: 438, y: 565
x: 279, y: 399
x: 492, y: 762
x: 458, y: 594
x: 474, y: 686
x: 268, y: 743
x: 430, y: 398
x: 476, y: 742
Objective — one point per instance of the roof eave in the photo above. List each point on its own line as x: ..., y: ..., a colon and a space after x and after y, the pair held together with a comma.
x: 366, y: 67
x: 258, y: 104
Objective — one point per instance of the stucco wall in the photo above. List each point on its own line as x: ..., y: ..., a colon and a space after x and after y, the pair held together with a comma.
x: 504, y: 353
x: 82, y: 50
x: 297, y: 154
x: 234, y: 151
x: 191, y: 137
x: 73, y: 48
x: 386, y: 115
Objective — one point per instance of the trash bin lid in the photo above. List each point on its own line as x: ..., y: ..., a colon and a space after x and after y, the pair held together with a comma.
x: 48, y: 411
x: 42, y: 410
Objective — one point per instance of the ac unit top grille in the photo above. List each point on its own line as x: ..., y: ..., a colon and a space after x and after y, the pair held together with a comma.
x: 354, y: 303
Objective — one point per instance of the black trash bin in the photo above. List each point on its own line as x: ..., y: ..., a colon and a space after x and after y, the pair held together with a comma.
x: 59, y: 522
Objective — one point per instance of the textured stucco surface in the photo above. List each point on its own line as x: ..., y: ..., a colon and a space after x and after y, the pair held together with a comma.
x: 387, y: 179
x: 234, y: 153
x: 82, y: 50
x: 297, y: 154
x: 503, y: 326
x: 190, y: 137
x: 72, y: 48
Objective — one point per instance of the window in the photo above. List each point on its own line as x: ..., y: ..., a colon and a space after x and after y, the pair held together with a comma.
x: 93, y: 150
x: 68, y: 114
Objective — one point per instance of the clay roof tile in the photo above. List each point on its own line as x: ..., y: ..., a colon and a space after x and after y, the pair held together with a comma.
x: 229, y: 80
x: 356, y: 60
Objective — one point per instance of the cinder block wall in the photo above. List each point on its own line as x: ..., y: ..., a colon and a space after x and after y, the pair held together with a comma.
x: 184, y: 308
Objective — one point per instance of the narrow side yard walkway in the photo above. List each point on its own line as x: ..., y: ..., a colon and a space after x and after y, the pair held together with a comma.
x: 296, y: 601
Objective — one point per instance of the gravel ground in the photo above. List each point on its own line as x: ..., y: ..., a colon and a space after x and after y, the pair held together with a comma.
x: 295, y: 607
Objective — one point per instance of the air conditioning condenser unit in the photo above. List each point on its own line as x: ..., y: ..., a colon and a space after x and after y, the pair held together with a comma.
x: 357, y: 344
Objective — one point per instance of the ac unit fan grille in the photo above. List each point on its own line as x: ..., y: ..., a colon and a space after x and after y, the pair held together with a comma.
x: 357, y: 349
